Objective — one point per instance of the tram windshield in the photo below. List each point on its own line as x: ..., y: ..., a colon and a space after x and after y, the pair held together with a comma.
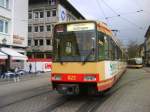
x: 75, y: 42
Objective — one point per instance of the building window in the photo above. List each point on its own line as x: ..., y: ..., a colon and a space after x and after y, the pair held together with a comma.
x: 41, y: 14
x: 29, y: 42
x: 39, y: 55
x: 48, y: 56
x: 48, y: 27
x: 6, y: 27
x: 7, y: 4
x: 48, y: 13
x: 41, y: 42
x: 52, y: 2
x: 3, y: 26
x: 29, y: 28
x: 4, y: 3
x: 41, y: 28
x: 51, y: 41
x: 36, y: 14
x: 48, y: 42
x: 36, y: 28
x: 54, y: 12
x: 36, y: 42
x: 30, y: 15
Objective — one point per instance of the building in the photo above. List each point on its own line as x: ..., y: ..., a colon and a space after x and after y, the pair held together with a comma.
x: 43, y: 14
x: 147, y: 46
x: 13, y: 32
x: 141, y: 51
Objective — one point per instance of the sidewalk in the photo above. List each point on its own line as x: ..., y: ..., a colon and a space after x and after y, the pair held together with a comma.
x: 25, y: 77
x: 147, y: 69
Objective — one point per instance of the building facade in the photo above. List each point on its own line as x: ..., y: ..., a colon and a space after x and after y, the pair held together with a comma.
x: 141, y: 51
x: 43, y: 15
x: 147, y: 47
x: 13, y: 29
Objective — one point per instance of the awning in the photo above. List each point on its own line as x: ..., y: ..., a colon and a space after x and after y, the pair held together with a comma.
x: 3, y: 56
x: 14, y: 54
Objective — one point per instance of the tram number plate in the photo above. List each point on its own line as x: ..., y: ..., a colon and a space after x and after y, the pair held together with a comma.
x: 71, y: 77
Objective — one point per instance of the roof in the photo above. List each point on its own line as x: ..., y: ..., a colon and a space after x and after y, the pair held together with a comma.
x: 148, y: 32
x: 64, y: 3
x: 68, y: 6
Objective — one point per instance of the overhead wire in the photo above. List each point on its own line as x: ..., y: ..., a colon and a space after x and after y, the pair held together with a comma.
x: 103, y: 13
x: 118, y: 15
x: 128, y: 13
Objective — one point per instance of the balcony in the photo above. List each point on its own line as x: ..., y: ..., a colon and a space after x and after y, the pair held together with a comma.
x: 39, y: 34
x: 39, y: 48
x: 43, y: 20
x: 5, y: 12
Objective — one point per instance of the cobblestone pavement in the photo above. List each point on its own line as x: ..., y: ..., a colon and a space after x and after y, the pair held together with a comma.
x: 130, y: 94
x: 133, y: 95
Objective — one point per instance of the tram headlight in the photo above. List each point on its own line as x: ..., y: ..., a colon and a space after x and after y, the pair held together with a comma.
x: 89, y: 78
x: 56, y: 77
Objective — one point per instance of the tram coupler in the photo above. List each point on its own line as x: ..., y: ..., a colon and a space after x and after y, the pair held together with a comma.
x: 71, y: 89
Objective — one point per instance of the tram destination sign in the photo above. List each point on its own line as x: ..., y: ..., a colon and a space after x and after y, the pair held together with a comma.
x: 80, y: 26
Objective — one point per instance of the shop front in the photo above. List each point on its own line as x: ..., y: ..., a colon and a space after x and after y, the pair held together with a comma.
x: 3, y: 58
x: 14, y: 59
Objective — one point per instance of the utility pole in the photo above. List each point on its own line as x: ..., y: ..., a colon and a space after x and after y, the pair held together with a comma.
x: 115, y: 32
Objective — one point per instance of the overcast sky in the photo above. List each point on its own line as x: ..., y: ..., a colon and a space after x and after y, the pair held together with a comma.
x: 130, y: 17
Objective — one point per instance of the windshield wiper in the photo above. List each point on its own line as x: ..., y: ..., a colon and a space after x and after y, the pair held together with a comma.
x: 58, y: 48
x: 86, y: 58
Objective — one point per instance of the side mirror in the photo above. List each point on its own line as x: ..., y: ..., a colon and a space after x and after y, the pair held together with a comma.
x: 93, y: 43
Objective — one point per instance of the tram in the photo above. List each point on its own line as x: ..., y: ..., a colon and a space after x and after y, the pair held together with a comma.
x: 135, y: 63
x: 87, y: 58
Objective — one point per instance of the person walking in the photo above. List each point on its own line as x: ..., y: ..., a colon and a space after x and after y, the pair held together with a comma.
x: 3, y: 72
x: 30, y: 67
x: 16, y: 77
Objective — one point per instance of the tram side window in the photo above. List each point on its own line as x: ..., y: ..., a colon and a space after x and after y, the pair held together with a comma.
x: 111, y: 49
x: 101, y: 53
x: 106, y: 47
x: 120, y: 55
x: 116, y: 53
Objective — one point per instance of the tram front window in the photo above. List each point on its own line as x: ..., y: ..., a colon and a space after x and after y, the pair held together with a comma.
x: 75, y: 46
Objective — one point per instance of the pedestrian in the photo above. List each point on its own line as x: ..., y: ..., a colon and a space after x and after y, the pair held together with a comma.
x: 30, y: 67
x: 3, y: 72
x: 16, y: 77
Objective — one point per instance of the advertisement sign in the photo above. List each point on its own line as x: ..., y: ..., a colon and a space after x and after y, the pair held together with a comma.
x: 62, y: 13
x: 111, y: 68
x: 80, y: 27
x: 39, y: 65
x: 17, y: 40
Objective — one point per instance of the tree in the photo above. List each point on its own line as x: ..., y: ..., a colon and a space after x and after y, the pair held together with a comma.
x: 133, y: 49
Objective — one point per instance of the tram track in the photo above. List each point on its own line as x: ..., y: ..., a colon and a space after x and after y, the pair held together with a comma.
x: 26, y: 95
x: 55, y: 105
x: 93, y: 104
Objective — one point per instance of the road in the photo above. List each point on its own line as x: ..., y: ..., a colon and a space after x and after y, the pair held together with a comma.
x: 130, y: 94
